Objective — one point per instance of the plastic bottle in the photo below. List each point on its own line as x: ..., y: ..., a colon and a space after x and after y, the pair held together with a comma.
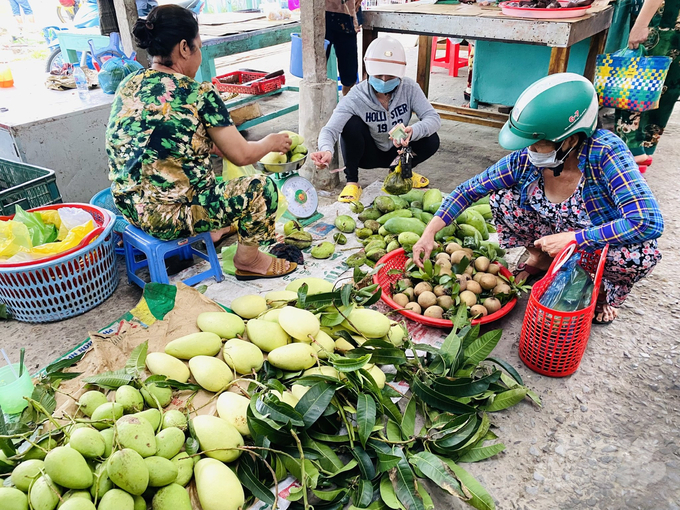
x: 81, y: 82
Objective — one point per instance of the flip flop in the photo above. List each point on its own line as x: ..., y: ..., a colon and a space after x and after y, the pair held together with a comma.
x: 535, y: 273
x: 598, y: 309
x: 276, y: 270
x: 642, y: 168
x: 218, y: 244
x: 350, y: 193
x: 419, y: 181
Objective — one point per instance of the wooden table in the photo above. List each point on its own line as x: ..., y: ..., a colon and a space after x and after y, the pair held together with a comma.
x: 477, y: 23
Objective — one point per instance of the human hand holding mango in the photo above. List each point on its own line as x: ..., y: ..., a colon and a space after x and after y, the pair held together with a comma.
x: 279, y: 142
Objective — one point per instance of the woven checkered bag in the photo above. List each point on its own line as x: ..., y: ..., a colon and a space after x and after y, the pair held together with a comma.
x: 629, y: 80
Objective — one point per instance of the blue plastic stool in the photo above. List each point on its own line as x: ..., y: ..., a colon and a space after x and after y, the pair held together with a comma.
x: 156, y: 251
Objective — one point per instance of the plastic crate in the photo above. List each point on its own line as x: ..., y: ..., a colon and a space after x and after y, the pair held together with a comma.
x: 552, y: 342
x: 235, y: 83
x: 27, y: 186
x: 397, y: 260
x: 64, y: 287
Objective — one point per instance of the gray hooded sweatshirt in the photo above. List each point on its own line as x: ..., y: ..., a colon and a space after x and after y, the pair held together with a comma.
x: 406, y: 99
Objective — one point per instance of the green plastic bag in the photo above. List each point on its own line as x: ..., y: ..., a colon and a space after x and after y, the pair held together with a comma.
x: 39, y: 232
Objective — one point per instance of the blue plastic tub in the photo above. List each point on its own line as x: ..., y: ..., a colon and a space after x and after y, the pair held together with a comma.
x: 296, y: 54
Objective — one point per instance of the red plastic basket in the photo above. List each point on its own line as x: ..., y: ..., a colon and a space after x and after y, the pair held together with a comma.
x: 101, y: 220
x: 236, y: 83
x: 397, y: 260
x: 552, y: 343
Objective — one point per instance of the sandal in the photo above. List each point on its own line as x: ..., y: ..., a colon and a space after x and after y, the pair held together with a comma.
x: 535, y: 273
x: 350, y: 193
x: 276, y: 270
x: 218, y: 244
x: 419, y: 181
x: 598, y: 309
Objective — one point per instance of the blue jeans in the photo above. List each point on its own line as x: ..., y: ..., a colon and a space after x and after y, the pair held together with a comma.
x: 21, y: 5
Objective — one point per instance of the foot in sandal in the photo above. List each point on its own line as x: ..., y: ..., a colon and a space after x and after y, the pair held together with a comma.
x: 350, y: 193
x: 605, y: 314
x: 261, y: 266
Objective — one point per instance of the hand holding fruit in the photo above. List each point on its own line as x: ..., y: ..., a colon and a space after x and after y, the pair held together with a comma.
x: 322, y: 159
x: 423, y: 248
x: 555, y: 243
x: 279, y: 142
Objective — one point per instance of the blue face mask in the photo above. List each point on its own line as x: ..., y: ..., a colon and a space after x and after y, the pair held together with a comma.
x: 384, y: 87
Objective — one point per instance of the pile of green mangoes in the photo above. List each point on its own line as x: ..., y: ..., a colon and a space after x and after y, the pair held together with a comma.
x: 125, y: 451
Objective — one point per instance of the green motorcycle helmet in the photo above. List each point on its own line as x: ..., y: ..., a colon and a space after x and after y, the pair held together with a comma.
x: 553, y: 108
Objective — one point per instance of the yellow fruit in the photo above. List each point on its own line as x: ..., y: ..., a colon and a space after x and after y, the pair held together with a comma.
x: 126, y: 468
x: 91, y: 400
x: 223, y: 324
x: 196, y: 344
x: 153, y: 393
x: 315, y: 285
x: 280, y: 297
x: 88, y: 442
x: 233, y: 408
x: 162, y: 471
x: 172, y: 497
x: 296, y: 139
x: 174, y: 419
x: 396, y: 334
x: 68, y: 468
x: 242, y: 356
x: 136, y: 433
x: 342, y: 345
x: 160, y: 363
x: 24, y: 474
x: 77, y: 501
x: 271, y: 160
x: 287, y: 397
x: 468, y: 297
x: 293, y: 357
x: 130, y: 398
x: 212, y: 374
x: 217, y: 486
x: 298, y: 390
x: 217, y: 437
x: 266, y: 335
x: 378, y: 376
x: 300, y: 324
x: 323, y: 344
x: 249, y: 307
x: 370, y: 323
x: 185, y: 468
x: 323, y: 370
x: 169, y: 442
x: 12, y: 499
x: 104, y: 416
x: 272, y: 315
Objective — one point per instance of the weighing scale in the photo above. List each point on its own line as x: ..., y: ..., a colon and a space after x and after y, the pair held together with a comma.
x: 298, y: 191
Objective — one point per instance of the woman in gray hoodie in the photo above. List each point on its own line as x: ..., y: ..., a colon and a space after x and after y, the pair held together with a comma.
x: 364, y: 118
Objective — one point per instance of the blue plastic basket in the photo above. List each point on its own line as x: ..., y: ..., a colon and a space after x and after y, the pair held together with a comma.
x: 64, y: 287
x: 104, y: 199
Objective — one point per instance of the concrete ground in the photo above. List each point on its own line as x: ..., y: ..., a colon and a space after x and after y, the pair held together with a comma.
x: 608, y: 437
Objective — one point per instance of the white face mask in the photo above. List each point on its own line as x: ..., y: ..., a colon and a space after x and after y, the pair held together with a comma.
x: 549, y: 159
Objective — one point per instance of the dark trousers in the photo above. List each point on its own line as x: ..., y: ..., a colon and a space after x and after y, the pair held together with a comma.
x: 359, y: 149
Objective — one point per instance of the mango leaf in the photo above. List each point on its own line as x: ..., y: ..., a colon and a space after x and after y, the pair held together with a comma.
x: 264, y: 428
x: 433, y: 468
x: 163, y: 382
x: 386, y: 461
x: 346, y: 294
x: 469, y: 335
x: 6, y: 445
x: 479, y: 433
x: 269, y: 405
x: 465, y: 387
x: 388, y: 495
x: 279, y: 467
x: 393, y: 431
x: 507, y: 367
x: 479, y: 497
x: 294, y: 467
x: 328, y: 438
x: 374, y: 298
x: 110, y: 380
x: 247, y: 475
x: 137, y: 361
x: 365, y: 417
x: 408, y: 422
x: 481, y: 452
x: 404, y: 483
x: 534, y: 397
x: 482, y: 347
x: 453, y: 441
x: 365, y: 463
x: 330, y: 496
x: 192, y: 446
x: 55, y: 371
x: 507, y: 399
x: 45, y: 398
x: 438, y: 401
x: 342, y: 364
x: 346, y: 469
x: 363, y: 494
x: 381, y: 356
x: 427, y: 499
x: 302, y: 295
x: 313, y: 403
x: 326, y: 456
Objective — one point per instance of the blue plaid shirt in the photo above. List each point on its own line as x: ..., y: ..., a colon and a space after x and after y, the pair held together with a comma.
x: 618, y: 200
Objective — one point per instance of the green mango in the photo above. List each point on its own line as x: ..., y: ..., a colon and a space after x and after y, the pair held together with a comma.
x: 219, y: 438
x: 24, y: 474
x: 162, y: 471
x: 174, y: 418
x: 172, y: 497
x: 169, y: 442
x: 293, y: 357
x: 399, y: 225
x: 323, y: 250
x: 223, y: 324
x: 104, y: 416
x: 375, y: 255
x: 12, y: 499
x: 356, y: 259
x: 151, y: 393
x: 266, y: 335
x: 88, y: 442
x: 384, y: 204
x: 138, y: 434
x: 356, y: 207
x: 370, y: 213
x: 101, y: 483
x: 416, y: 205
x: 400, y: 213
x: 368, y: 322
x: 153, y: 416
x: 408, y: 239
x: 415, y: 195
x: 44, y: 445
x: 345, y: 224
x: 117, y: 499
x: 126, y: 468
x: 242, y: 356
x: 447, y: 231
x: 399, y: 203
x: 378, y: 244
x: 299, y: 239
x: 195, y: 344
x: 432, y: 199
x: 44, y: 494
x: 218, y: 486
x: 363, y: 233
x: 185, y: 467
x: 77, y: 504
x: 212, y: 374
x: 91, y: 400
x: 68, y: 468
x: 130, y: 398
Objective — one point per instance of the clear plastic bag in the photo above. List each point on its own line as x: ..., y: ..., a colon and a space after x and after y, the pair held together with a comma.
x: 72, y: 217
x: 40, y: 232
x: 571, y: 288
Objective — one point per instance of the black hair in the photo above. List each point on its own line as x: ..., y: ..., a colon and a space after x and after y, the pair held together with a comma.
x: 164, y: 28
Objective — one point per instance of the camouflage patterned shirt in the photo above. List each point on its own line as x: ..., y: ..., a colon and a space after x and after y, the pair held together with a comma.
x: 159, y: 149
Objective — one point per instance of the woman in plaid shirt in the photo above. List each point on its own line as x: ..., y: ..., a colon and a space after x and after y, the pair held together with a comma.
x: 566, y: 181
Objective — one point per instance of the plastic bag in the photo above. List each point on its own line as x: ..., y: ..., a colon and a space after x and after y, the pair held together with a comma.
x: 14, y: 238
x: 40, y: 232
x: 231, y: 171
x: 72, y: 239
x: 114, y: 70
x: 571, y: 288
x: 72, y: 217
x: 395, y: 184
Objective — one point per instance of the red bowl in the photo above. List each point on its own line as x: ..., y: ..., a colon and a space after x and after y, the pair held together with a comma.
x: 397, y: 260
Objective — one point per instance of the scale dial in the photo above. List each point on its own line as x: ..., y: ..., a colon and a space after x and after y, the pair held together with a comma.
x: 301, y: 196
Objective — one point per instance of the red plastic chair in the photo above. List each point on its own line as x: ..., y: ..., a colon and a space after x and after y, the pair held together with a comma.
x: 451, y: 60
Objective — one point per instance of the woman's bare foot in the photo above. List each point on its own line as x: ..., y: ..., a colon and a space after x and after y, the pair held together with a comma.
x: 605, y: 313
x: 537, y: 259
x: 252, y: 260
x: 216, y: 235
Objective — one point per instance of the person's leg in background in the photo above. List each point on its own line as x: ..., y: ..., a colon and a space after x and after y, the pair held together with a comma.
x: 340, y: 32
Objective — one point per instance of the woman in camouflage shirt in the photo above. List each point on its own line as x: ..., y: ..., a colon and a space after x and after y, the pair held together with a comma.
x: 159, y: 139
